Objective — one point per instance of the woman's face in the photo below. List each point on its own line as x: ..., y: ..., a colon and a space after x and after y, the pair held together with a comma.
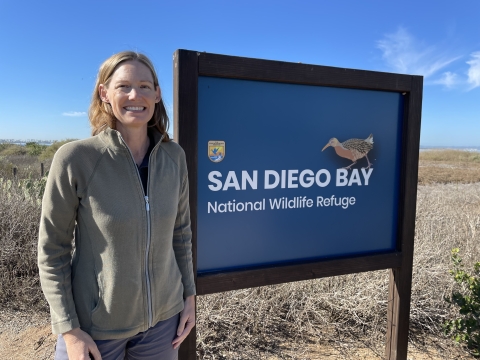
x: 132, y: 94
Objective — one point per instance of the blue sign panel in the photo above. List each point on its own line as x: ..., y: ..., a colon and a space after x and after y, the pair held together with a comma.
x: 290, y: 173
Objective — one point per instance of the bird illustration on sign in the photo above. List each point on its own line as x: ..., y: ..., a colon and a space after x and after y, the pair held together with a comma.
x: 352, y: 149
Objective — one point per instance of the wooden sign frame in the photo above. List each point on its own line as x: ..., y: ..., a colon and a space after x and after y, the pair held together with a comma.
x: 189, y: 65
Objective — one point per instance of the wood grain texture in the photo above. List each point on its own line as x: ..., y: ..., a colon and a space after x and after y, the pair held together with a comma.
x: 185, y: 113
x: 213, y: 283
x: 296, y: 73
x: 399, y: 296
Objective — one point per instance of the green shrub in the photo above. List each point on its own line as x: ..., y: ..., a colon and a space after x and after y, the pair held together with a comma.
x: 34, y: 149
x: 3, y: 146
x: 13, y: 149
x: 49, y: 151
x: 466, y: 328
x: 6, y: 167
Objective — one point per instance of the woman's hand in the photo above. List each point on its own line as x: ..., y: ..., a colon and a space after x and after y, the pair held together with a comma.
x: 187, y: 321
x: 80, y: 345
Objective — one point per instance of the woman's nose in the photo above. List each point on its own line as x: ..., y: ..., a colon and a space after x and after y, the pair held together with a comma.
x: 133, y: 93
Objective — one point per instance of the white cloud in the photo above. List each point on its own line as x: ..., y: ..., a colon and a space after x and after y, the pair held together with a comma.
x: 448, y: 79
x: 404, y: 54
x: 74, y: 113
x: 474, y: 70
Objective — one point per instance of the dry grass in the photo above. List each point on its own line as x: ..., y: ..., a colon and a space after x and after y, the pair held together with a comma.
x: 19, y: 283
x: 448, y: 166
x: 447, y: 155
x: 19, y: 220
x: 27, y: 166
x: 345, y: 315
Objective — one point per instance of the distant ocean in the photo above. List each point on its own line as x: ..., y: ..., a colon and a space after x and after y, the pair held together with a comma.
x: 464, y: 148
x: 24, y: 142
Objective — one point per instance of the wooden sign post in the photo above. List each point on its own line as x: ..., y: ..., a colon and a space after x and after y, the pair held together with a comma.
x: 273, y: 150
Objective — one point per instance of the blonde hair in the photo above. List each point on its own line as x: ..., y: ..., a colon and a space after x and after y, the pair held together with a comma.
x: 101, y: 114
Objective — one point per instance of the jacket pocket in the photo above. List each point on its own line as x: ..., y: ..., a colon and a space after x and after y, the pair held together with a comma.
x: 95, y: 298
x: 86, y: 292
x: 120, y: 304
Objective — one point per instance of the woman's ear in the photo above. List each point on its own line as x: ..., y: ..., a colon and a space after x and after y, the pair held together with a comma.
x: 158, y: 93
x: 102, y: 92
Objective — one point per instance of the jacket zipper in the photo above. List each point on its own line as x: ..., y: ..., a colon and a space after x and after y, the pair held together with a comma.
x: 147, y: 249
x: 147, y: 209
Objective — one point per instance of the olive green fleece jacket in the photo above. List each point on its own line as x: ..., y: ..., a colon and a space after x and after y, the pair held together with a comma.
x: 132, y: 264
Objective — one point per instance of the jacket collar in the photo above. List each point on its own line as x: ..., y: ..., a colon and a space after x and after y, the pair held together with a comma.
x: 113, y: 138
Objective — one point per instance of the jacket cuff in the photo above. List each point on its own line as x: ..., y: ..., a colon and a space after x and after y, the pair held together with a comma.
x: 63, y: 327
x: 189, y: 291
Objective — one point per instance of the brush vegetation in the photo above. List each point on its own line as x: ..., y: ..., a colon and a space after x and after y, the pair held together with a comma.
x: 449, y: 166
x: 446, y: 156
x: 465, y: 329
x: 287, y: 321
x: 34, y: 150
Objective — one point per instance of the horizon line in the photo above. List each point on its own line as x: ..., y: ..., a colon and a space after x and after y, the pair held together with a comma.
x: 24, y: 141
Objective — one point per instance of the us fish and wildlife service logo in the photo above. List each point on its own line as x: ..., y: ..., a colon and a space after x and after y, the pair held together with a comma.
x: 216, y: 150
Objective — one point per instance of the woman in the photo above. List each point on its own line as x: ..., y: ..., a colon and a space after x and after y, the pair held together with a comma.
x: 122, y: 196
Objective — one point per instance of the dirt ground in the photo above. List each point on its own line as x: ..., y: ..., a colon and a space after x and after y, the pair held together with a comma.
x: 28, y: 336
x: 25, y: 336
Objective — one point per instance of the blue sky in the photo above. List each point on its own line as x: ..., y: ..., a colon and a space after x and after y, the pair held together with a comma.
x: 51, y: 50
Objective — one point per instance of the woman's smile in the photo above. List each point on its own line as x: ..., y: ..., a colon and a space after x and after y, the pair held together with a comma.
x: 134, y: 108
x: 132, y: 94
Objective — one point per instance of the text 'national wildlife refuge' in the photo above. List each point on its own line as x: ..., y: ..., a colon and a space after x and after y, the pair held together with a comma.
x: 285, y: 179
